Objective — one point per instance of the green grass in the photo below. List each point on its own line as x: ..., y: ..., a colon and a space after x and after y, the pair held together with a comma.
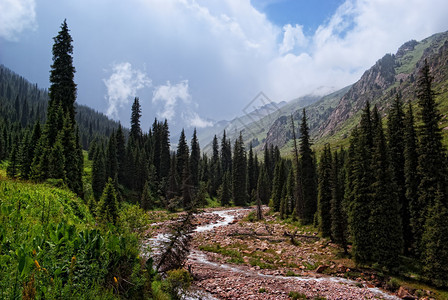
x: 52, y: 246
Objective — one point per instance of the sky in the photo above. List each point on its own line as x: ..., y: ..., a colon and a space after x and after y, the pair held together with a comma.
x: 196, y: 62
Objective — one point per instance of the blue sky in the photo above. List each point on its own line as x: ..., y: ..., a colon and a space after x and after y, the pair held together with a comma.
x: 195, y: 62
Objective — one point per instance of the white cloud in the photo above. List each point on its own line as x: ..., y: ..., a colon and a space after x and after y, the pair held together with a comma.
x: 16, y: 16
x: 169, y: 95
x: 192, y: 119
x: 292, y: 37
x: 122, y: 85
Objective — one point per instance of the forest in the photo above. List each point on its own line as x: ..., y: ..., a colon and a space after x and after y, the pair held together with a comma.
x: 383, y: 200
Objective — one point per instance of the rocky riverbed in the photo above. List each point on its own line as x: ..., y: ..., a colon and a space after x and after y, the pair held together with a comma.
x: 233, y: 258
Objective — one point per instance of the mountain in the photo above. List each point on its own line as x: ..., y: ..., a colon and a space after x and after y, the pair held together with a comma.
x: 332, y: 117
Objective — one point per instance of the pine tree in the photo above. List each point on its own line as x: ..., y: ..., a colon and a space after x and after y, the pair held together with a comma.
x: 298, y: 194
x: 182, y: 154
x: 431, y: 153
x: 263, y: 188
x: 147, y: 198
x: 290, y: 190
x: 396, y: 132
x: 225, y: 191
x: 385, y: 219
x: 251, y: 176
x: 338, y: 210
x: 325, y: 192
x: 278, y: 185
x: 164, y: 150
x: 239, y: 175
x: 173, y: 179
x: 187, y: 187
x: 56, y: 161
x: 226, y: 154
x: 411, y: 176
x: 216, y: 170
x: 359, y: 184
x: 25, y: 156
x: 435, y: 241
x: 108, y: 205
x: 11, y: 170
x: 98, y: 173
x: 63, y: 88
x: 194, y: 160
x: 136, y: 131
x: 121, y: 154
x: 308, y: 169
x: 112, y: 159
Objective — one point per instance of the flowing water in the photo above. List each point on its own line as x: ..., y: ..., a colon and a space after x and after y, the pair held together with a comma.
x: 201, y: 257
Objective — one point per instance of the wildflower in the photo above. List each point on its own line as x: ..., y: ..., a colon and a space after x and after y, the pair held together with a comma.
x: 116, y: 280
x: 34, y: 252
x: 37, y: 264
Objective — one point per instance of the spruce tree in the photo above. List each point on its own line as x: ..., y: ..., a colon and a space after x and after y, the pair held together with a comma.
x: 431, y: 153
x: 298, y: 194
x: 194, y: 160
x: 225, y: 190
x: 56, y: 161
x: 164, y: 150
x: 385, y: 219
x: 12, y: 168
x: 411, y: 176
x: 173, y: 180
x: 359, y: 184
x: 263, y: 188
x: 226, y: 154
x: 325, y: 192
x: 182, y: 154
x: 290, y: 190
x: 121, y: 154
x: 98, y: 173
x: 396, y: 132
x: 308, y: 169
x: 239, y: 173
x: 136, y: 131
x: 112, y: 159
x: 62, y: 90
x: 435, y: 241
x: 279, y: 182
x: 108, y: 205
x: 338, y: 210
x: 216, y: 170
x: 251, y: 176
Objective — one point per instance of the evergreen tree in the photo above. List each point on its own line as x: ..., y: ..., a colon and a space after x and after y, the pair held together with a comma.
x: 251, y: 176
x: 56, y: 162
x: 147, y: 198
x: 136, y: 131
x: 216, y: 171
x: 164, y: 150
x: 278, y: 185
x: 411, y: 176
x: 263, y: 188
x: 298, y: 194
x: 308, y: 169
x: 11, y: 170
x: 112, y: 159
x: 173, y: 179
x: 121, y: 154
x: 385, y: 219
x: 325, y: 192
x: 225, y: 192
x: 108, y: 205
x: 98, y: 173
x: 338, y: 211
x: 25, y: 156
x: 63, y: 88
x: 396, y: 132
x: 194, y: 160
x: 187, y: 187
x: 358, y: 194
x: 182, y: 155
x: 435, y: 241
x: 239, y: 175
x: 226, y: 154
x: 290, y: 190
x: 431, y: 153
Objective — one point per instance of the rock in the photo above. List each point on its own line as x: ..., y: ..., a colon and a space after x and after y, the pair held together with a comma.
x: 403, y: 293
x: 341, y: 269
x: 321, y: 268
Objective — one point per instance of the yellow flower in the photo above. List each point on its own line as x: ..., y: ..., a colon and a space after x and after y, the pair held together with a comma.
x: 116, y: 280
x: 37, y: 264
x: 34, y: 252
